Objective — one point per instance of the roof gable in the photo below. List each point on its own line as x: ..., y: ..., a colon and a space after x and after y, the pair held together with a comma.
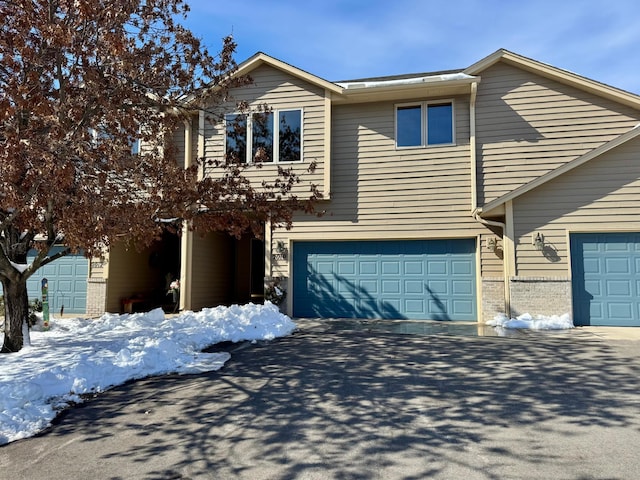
x: 260, y: 58
x: 563, y: 76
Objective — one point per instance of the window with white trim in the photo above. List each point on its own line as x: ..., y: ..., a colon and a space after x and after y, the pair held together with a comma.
x: 267, y: 137
x: 425, y: 123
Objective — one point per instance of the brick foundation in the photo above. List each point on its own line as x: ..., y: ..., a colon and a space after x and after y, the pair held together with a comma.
x: 96, y: 296
x: 540, y: 295
x: 492, y: 298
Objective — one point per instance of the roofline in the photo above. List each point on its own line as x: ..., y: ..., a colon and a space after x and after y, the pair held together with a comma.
x: 581, y: 160
x: 261, y: 58
x: 555, y: 73
x: 399, y: 76
x: 408, y: 82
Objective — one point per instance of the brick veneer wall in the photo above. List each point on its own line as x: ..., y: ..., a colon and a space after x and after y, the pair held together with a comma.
x: 540, y: 295
x: 492, y: 298
x: 96, y: 296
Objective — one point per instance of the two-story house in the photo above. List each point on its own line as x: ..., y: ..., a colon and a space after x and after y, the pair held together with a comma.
x: 509, y: 186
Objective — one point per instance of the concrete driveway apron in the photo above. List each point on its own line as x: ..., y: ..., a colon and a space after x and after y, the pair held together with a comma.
x: 358, y: 401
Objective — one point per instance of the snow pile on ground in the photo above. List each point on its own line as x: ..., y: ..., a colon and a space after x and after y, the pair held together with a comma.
x: 78, y: 356
x: 540, y: 322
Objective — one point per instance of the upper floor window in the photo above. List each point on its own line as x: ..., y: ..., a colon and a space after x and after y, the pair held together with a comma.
x: 268, y: 137
x: 424, y: 123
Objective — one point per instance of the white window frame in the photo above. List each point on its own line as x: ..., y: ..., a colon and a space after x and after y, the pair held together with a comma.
x: 276, y: 135
x: 424, y: 130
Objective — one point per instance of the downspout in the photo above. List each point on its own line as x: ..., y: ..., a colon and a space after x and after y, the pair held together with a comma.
x: 472, y: 147
x: 475, y: 211
x: 327, y: 146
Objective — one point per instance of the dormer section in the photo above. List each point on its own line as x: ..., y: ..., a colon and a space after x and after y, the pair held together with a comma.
x: 282, y: 117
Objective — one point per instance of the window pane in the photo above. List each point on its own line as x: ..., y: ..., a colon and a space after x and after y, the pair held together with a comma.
x: 236, y: 129
x: 262, y: 131
x: 409, y: 126
x: 290, y: 127
x: 439, y: 124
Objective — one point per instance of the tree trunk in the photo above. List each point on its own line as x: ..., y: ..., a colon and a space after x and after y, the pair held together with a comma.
x: 16, y: 314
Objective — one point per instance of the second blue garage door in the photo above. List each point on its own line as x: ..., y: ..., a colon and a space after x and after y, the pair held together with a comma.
x: 418, y: 279
x: 605, y: 271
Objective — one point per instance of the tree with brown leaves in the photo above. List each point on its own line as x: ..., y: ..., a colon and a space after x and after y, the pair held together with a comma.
x: 81, y: 81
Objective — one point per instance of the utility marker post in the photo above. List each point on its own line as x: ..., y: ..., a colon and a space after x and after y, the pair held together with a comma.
x: 45, y: 303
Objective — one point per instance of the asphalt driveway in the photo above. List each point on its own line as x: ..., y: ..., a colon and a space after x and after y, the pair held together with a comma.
x: 363, y: 403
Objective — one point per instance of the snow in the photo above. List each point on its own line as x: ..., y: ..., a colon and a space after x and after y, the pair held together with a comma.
x: 79, y: 356
x: 540, y: 322
x: 448, y: 77
x: 21, y: 267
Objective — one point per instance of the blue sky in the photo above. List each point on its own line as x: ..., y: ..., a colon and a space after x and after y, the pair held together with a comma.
x: 340, y: 40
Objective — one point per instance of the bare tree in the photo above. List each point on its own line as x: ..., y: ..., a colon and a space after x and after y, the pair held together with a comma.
x: 80, y: 82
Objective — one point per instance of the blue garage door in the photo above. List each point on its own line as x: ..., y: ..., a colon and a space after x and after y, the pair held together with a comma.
x: 606, y: 278
x: 421, y: 279
x: 67, y: 277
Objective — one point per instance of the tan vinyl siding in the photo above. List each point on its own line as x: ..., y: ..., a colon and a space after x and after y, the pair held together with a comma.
x: 380, y: 192
x: 278, y: 90
x: 491, y: 262
x: 194, y: 138
x: 212, y: 271
x: 601, y: 195
x: 529, y: 125
x: 177, y: 145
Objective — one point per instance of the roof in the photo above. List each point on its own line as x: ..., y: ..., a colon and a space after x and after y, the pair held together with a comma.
x: 401, y: 76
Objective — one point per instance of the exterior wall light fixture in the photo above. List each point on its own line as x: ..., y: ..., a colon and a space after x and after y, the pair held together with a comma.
x: 281, y: 251
x: 492, y: 244
x: 538, y: 241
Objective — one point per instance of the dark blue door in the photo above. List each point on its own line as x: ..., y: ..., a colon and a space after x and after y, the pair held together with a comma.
x: 605, y: 271
x: 416, y: 279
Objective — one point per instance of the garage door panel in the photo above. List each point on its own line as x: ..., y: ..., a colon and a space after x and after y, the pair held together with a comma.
x: 437, y: 267
x: 390, y: 287
x: 324, y: 267
x: 414, y: 307
x: 621, y: 311
x: 592, y: 265
x: 618, y: 288
x: 391, y: 268
x: 414, y: 287
x: 617, y: 265
x: 370, y: 286
x: 385, y: 279
x: 346, y: 267
x: 66, y: 270
x: 463, y: 307
x: 461, y: 268
x: 413, y: 268
x: 438, y: 287
x: 462, y: 287
x: 368, y: 267
x: 606, y: 278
